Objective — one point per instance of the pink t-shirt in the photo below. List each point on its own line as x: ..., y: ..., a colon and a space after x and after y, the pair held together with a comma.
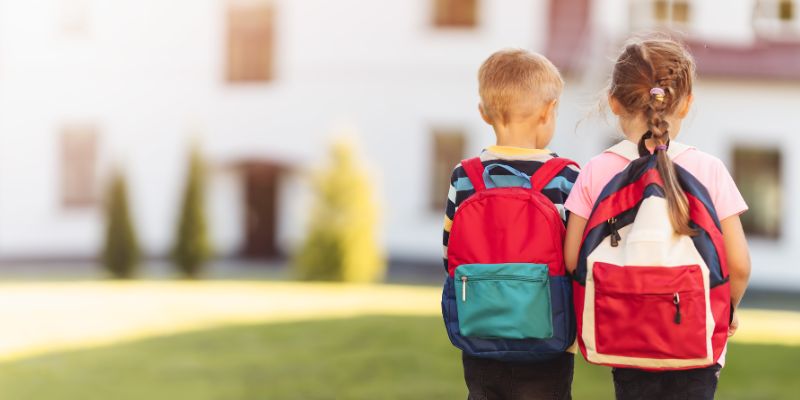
x: 709, y: 170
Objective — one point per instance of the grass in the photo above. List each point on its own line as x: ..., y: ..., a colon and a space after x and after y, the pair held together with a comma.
x: 378, y: 357
x: 52, y: 317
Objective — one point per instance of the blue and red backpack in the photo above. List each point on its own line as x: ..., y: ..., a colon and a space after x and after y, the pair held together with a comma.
x: 507, y: 295
x: 645, y: 296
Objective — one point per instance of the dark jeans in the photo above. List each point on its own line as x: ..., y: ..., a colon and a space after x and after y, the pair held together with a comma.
x: 499, y: 380
x: 693, y: 384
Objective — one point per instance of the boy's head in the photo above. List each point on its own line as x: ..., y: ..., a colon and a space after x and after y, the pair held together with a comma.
x: 518, y: 86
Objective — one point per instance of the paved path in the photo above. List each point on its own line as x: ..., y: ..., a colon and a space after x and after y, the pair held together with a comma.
x: 44, y: 317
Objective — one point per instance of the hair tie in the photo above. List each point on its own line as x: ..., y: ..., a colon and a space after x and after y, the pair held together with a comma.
x: 661, y: 147
x: 658, y: 92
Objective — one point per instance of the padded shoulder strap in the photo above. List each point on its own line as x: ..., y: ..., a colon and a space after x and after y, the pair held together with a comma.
x: 548, y: 171
x: 630, y: 151
x: 474, y: 169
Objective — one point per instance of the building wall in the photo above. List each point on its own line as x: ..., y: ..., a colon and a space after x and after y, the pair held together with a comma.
x: 150, y: 75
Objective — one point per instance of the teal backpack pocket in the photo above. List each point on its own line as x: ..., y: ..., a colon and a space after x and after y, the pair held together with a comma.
x: 504, y: 301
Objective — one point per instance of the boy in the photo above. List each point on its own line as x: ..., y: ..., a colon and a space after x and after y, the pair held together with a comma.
x: 519, y: 93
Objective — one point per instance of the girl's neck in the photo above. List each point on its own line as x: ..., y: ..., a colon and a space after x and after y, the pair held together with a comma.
x: 635, y: 128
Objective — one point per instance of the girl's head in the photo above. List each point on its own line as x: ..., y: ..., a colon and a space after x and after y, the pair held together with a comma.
x: 645, y: 70
x: 651, y: 92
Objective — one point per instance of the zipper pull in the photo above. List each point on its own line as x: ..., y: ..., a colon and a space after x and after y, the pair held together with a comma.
x: 615, y: 237
x: 676, y: 299
x: 463, y: 288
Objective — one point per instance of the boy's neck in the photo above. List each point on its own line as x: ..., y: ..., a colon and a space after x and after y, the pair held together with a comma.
x: 519, y: 136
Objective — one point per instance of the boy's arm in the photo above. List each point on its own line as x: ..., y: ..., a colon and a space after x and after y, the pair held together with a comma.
x: 571, y: 175
x: 738, y: 256
x: 449, y: 212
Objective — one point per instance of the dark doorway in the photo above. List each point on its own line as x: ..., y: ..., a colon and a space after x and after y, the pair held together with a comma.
x: 261, y: 193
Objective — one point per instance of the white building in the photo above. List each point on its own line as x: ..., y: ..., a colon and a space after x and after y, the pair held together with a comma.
x: 265, y: 85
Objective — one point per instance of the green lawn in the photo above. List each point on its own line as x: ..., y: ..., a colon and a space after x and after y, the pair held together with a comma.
x: 360, y: 358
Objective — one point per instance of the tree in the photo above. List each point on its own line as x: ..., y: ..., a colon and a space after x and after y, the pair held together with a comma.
x: 341, y: 243
x: 192, y: 248
x: 121, y: 249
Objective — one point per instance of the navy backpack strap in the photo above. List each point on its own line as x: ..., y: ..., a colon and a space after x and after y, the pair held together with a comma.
x: 548, y: 171
x: 474, y: 169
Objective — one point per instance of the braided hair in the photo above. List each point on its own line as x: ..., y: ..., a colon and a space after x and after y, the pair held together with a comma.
x: 651, y: 78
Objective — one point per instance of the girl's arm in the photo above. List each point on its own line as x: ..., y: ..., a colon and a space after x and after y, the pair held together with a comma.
x: 572, y: 242
x: 738, y: 257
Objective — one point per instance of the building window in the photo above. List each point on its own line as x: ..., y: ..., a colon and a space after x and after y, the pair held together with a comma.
x: 78, y: 166
x: 786, y: 10
x: 757, y: 172
x: 671, y: 11
x: 455, y: 13
x: 776, y: 19
x: 448, y: 151
x: 250, y: 41
x: 75, y: 17
x: 648, y: 14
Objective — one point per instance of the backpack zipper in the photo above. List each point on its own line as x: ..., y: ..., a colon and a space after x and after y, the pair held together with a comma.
x: 676, y: 300
x: 493, y: 278
x: 502, y: 277
x: 615, y: 237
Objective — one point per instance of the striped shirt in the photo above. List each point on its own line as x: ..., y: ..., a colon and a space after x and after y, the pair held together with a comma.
x: 523, y: 160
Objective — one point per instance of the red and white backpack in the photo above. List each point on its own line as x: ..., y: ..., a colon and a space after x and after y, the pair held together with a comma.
x: 645, y: 296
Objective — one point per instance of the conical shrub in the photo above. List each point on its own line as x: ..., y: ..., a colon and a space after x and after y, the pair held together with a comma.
x: 121, y: 254
x: 192, y: 248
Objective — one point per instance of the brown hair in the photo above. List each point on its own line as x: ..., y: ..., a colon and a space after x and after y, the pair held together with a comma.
x: 511, y: 76
x: 643, y: 66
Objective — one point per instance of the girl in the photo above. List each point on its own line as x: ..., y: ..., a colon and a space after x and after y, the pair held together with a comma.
x: 651, y: 93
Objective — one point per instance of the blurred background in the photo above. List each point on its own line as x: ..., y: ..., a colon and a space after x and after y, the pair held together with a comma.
x: 171, y: 171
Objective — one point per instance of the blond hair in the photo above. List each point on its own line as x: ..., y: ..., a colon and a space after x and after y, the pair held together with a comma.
x: 511, y: 77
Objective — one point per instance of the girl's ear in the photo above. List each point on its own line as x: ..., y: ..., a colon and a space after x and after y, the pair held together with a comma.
x: 483, y: 114
x: 615, y: 106
x: 687, y: 105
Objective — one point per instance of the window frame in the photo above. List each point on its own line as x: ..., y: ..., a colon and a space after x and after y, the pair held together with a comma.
x: 791, y: 9
x: 78, y: 166
x: 644, y: 14
x: 443, y: 163
x: 769, y: 20
x: 451, y: 19
x: 746, y: 175
x: 250, y: 59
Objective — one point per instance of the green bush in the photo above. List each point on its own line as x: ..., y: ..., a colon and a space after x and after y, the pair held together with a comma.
x: 121, y: 249
x: 192, y: 248
x: 341, y: 243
